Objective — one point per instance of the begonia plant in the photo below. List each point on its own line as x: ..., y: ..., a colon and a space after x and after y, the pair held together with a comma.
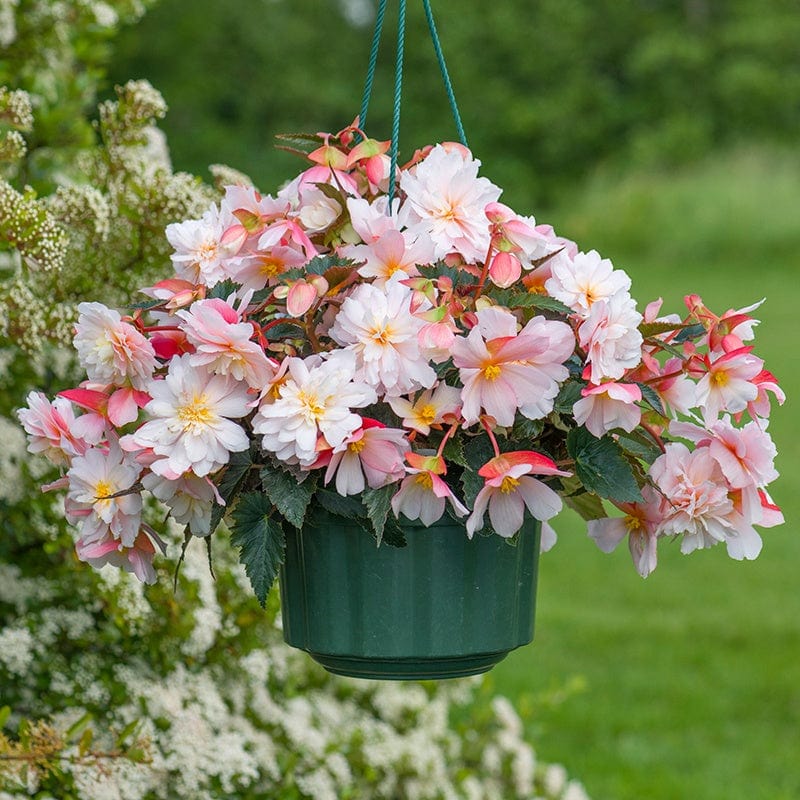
x: 399, y: 344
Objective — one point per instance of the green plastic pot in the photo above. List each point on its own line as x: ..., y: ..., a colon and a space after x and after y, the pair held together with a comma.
x: 444, y: 606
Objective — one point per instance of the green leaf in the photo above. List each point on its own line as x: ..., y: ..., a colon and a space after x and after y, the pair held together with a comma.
x: 640, y: 445
x: 229, y: 484
x: 260, y: 539
x: 127, y: 732
x: 602, y: 467
x: 690, y: 332
x: 393, y: 534
x: 649, y: 329
x: 78, y: 726
x: 472, y: 483
x: 145, y: 305
x: 568, y: 395
x: 348, y: 507
x: 5, y: 713
x: 542, y: 302
x: 652, y: 398
x: 223, y: 289
x: 669, y: 348
x: 290, y: 497
x: 378, y: 503
x: 454, y: 451
x: 478, y: 450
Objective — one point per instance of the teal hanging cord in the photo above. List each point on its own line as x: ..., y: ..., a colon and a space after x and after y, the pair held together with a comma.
x: 437, y: 46
x: 398, y: 91
x: 373, y: 61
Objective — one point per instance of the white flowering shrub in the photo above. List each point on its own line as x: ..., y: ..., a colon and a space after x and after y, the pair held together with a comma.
x: 110, y: 690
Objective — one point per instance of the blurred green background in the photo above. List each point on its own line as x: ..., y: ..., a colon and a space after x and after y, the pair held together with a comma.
x: 664, y: 135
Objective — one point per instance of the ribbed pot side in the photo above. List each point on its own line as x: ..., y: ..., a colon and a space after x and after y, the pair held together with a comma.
x: 444, y: 606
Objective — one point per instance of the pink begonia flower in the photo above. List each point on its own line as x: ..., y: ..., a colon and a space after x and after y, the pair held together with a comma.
x: 176, y: 292
x: 677, y: 391
x: 503, y: 370
x: 317, y: 211
x: 611, y: 338
x: 445, y: 199
x: 423, y: 494
x: 583, y: 280
x: 110, y: 350
x: 314, y: 399
x: 515, y: 234
x: 94, y: 478
x: 765, y: 382
x: 746, y: 455
x: 374, y: 452
x: 392, y: 254
x: 509, y: 490
x: 51, y: 428
x: 430, y: 407
x: 248, y: 204
x: 138, y: 558
x: 609, y: 406
x: 728, y: 385
x: 640, y: 524
x: 191, y: 423
x: 377, y: 326
x: 190, y: 499
x: 223, y: 343
x: 200, y: 255
x: 288, y: 233
x: 697, y: 503
x: 370, y: 220
x: 728, y: 332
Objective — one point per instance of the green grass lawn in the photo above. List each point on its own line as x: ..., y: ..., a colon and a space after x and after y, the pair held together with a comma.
x: 686, y: 685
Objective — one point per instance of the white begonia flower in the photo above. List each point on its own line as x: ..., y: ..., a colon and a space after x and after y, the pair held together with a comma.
x: 581, y: 281
x: 446, y: 199
x: 110, y: 350
x: 314, y: 399
x: 192, y: 424
x: 377, y: 326
x: 611, y: 338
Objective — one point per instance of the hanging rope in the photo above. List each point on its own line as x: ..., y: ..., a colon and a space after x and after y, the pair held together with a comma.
x: 437, y: 46
x: 398, y: 91
x: 373, y: 61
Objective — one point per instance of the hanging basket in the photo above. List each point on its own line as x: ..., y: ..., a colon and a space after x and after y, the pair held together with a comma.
x: 444, y: 606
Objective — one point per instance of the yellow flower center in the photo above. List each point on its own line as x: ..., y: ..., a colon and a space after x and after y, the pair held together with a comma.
x: 391, y: 268
x: 425, y: 480
x: 491, y: 372
x: 720, y: 378
x: 207, y: 251
x: 357, y: 447
x: 103, y: 489
x: 270, y: 268
x: 509, y: 484
x: 427, y: 414
x: 311, y: 405
x: 633, y: 524
x: 382, y: 335
x: 195, y: 413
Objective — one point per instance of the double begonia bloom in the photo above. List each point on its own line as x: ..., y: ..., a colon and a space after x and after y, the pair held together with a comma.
x: 138, y: 558
x: 110, y: 350
x: 581, y: 281
x: 697, y: 504
x: 503, y: 370
x: 393, y: 254
x: 51, y: 428
x: 378, y: 327
x: 314, y: 399
x: 97, y: 500
x: 190, y: 499
x: 611, y: 338
x: 222, y: 343
x: 509, y: 489
x: 446, y: 200
x: 191, y: 425
x: 609, y: 406
x: 372, y: 455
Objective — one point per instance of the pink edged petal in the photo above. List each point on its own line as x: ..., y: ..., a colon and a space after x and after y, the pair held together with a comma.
x: 122, y: 407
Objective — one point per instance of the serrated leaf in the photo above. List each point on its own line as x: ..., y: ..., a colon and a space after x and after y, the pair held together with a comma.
x: 378, y: 503
x: 223, y: 289
x: 568, y: 395
x: 472, y: 484
x: 543, y: 302
x: 666, y: 346
x: 526, y: 430
x: 478, y: 450
x: 454, y: 451
x: 602, y: 467
x: 229, y: 484
x: 652, y: 398
x: 348, y: 507
x: 639, y: 445
x: 393, y: 534
x: 690, y: 332
x: 145, y: 305
x: 649, y: 329
x: 260, y: 539
x: 288, y: 496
